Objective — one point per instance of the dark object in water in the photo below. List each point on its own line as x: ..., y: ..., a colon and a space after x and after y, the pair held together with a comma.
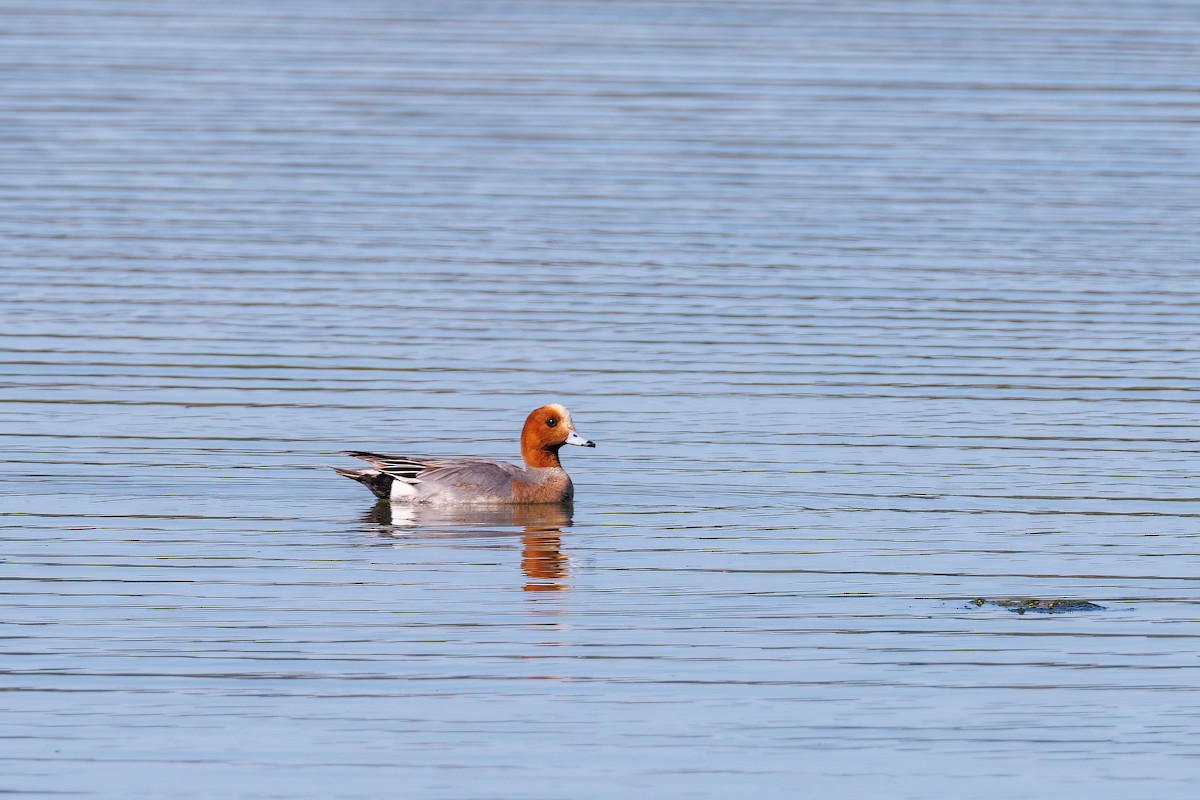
x: 1033, y: 605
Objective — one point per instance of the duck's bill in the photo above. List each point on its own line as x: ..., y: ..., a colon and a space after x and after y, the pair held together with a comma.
x: 575, y: 438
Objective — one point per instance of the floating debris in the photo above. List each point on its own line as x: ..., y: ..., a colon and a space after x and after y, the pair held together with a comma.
x: 1033, y: 605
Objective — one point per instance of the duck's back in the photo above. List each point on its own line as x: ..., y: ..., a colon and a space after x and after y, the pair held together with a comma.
x: 461, y: 480
x: 480, y: 480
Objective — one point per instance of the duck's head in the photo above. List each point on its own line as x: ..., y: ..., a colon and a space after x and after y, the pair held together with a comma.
x: 546, y: 430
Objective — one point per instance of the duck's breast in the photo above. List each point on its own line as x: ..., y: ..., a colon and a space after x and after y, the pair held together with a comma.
x: 549, y: 485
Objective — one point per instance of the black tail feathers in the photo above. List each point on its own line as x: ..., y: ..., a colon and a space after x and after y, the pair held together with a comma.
x: 379, y: 483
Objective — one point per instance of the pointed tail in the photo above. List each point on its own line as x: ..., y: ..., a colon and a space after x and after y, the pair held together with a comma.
x: 379, y: 483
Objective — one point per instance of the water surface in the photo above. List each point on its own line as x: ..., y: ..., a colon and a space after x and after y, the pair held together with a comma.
x: 873, y: 312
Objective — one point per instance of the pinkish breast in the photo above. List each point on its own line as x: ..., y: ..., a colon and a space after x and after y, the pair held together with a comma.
x: 551, y: 485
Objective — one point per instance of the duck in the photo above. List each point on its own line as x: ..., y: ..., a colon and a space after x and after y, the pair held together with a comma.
x: 411, y: 480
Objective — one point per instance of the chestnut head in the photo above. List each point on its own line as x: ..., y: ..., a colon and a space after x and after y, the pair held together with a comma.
x: 546, y: 430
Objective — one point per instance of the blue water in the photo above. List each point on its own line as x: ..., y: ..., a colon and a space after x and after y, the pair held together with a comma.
x: 874, y: 310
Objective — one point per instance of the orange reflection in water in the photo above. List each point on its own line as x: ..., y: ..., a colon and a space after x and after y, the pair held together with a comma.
x: 542, y: 559
x: 543, y: 562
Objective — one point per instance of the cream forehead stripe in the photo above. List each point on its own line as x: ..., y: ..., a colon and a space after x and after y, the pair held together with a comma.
x: 562, y: 412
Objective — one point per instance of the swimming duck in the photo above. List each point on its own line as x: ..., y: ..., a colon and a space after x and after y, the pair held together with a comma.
x: 402, y: 479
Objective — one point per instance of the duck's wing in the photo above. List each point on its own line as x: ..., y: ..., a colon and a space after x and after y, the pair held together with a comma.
x: 455, y: 469
x: 482, y: 473
x: 404, y: 468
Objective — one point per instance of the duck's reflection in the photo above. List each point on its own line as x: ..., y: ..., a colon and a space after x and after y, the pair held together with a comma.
x: 543, y: 563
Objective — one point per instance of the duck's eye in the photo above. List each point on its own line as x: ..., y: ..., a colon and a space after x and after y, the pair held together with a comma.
x: 551, y: 422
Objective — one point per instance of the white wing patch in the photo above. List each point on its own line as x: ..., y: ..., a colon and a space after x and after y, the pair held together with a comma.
x: 403, y: 490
